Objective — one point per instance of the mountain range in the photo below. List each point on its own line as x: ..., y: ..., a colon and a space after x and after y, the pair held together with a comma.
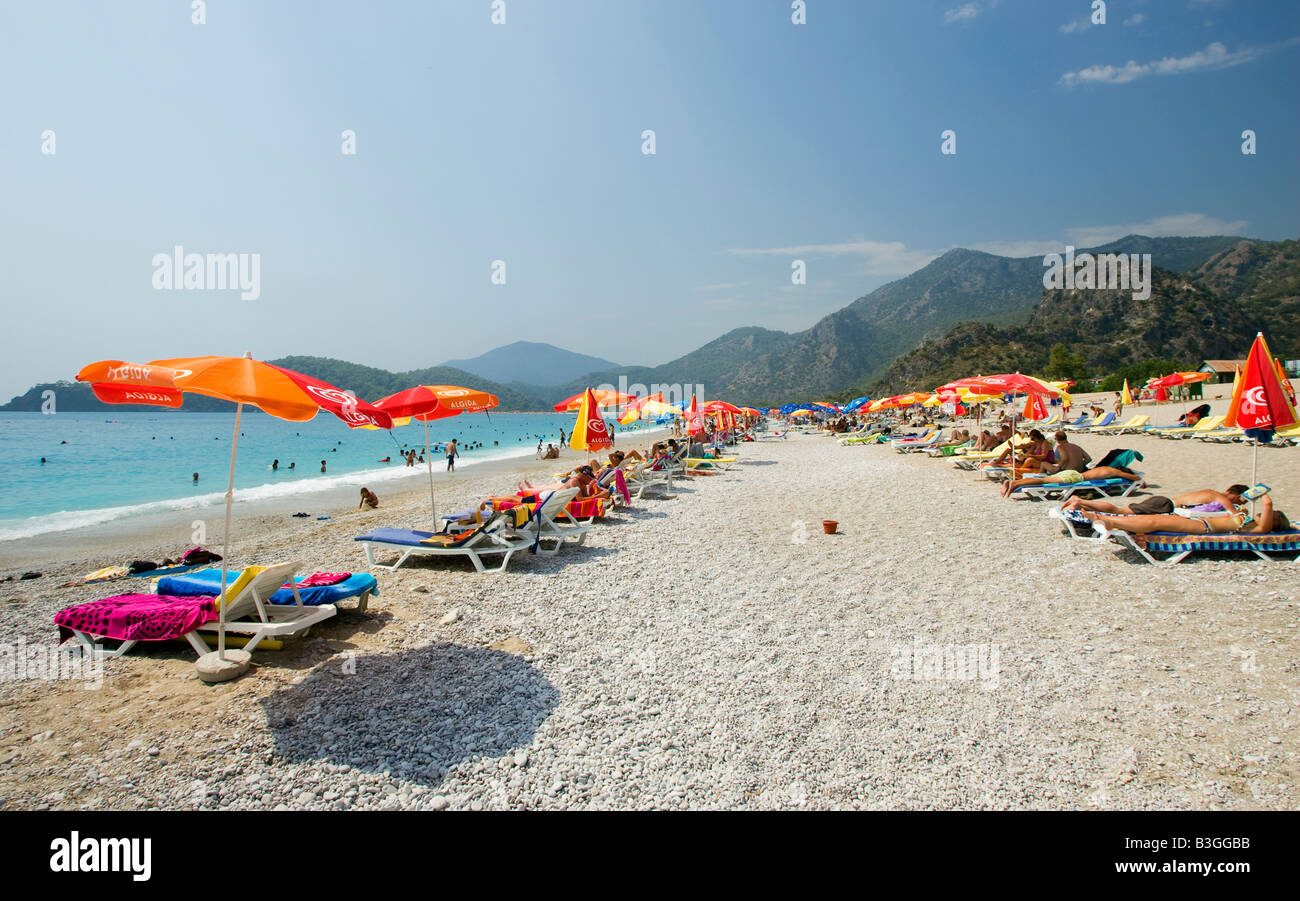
x: 966, y: 311
x: 1211, y: 311
x: 853, y: 346
x: 529, y: 363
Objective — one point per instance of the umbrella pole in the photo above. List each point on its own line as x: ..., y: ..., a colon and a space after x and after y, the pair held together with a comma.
x: 1254, y: 461
x: 225, y: 558
x: 428, y: 458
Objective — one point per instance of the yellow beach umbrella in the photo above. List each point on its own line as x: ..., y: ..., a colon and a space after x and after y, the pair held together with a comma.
x: 1127, y: 396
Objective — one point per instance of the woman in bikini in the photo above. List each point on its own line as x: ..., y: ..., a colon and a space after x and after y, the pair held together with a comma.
x: 1239, y: 521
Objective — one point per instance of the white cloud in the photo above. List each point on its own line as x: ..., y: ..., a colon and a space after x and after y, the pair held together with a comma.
x: 1215, y: 56
x: 890, y: 258
x: 963, y: 13
x: 1135, y: 19
x: 1186, y: 225
x: 1018, y: 248
x: 1076, y: 25
x: 894, y: 259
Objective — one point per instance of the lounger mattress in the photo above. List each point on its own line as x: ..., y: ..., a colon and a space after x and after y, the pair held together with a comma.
x: 208, y: 582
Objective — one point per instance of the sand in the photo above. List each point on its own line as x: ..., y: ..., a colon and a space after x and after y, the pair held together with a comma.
x: 716, y: 650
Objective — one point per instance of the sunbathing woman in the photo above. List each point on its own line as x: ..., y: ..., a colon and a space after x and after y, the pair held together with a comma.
x: 583, y: 479
x: 1029, y: 457
x: 1207, y: 500
x: 1070, y: 476
x: 1240, y: 521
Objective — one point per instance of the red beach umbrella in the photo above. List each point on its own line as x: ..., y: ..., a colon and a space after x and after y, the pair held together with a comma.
x: 429, y: 402
x: 281, y: 392
x: 1259, y: 402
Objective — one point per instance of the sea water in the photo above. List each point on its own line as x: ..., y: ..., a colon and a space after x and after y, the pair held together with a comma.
x: 103, y: 466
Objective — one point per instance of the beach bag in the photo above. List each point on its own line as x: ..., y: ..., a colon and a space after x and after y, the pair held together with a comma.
x: 197, y: 555
x: 135, y: 567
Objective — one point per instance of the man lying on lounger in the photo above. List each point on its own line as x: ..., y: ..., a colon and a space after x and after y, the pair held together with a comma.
x: 1070, y: 476
x: 1239, y: 521
x: 1207, y: 500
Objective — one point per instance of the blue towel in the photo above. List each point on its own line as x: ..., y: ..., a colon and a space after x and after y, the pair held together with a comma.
x: 208, y: 582
x: 409, y: 537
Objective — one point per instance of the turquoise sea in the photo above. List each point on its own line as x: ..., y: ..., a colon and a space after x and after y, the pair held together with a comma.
x: 116, y: 465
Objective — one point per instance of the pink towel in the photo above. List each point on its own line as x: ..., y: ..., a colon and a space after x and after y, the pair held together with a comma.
x: 137, y: 617
x: 316, y: 579
x: 621, y: 484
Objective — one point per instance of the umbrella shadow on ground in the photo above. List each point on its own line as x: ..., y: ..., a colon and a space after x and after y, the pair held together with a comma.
x: 416, y: 712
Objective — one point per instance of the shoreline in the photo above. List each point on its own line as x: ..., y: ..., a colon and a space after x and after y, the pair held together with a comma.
x: 714, y: 651
x: 167, y: 532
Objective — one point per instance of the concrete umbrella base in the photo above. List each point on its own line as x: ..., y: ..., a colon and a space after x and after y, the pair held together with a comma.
x: 211, y: 668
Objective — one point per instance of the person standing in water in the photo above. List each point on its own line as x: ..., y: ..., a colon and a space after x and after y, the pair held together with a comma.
x: 275, y: 464
x: 451, y: 455
x: 322, y: 465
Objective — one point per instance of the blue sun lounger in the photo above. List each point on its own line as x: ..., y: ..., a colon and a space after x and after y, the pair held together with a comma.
x: 358, y: 586
x: 1178, y: 545
x: 1063, y: 491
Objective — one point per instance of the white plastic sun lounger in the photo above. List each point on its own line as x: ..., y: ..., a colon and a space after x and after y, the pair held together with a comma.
x: 248, y: 612
x: 640, y: 479
x: 489, y: 538
x: 550, y: 523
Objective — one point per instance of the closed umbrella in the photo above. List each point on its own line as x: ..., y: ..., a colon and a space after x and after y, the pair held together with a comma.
x: 1260, y: 405
x: 590, y: 431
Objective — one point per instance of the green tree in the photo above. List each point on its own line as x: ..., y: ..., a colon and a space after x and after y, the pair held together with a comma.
x: 1064, y: 365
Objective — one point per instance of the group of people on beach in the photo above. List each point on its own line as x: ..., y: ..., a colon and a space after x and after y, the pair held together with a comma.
x: 1204, y: 511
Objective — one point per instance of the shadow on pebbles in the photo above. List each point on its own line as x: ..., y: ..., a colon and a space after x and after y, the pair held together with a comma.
x: 416, y: 713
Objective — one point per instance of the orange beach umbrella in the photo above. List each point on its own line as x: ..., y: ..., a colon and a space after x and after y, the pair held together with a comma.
x: 281, y: 392
x: 603, y: 397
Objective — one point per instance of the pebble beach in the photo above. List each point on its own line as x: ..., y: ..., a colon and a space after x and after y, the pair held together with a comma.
x: 946, y: 648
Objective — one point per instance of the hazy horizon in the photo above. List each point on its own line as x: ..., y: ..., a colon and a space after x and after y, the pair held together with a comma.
x: 523, y: 142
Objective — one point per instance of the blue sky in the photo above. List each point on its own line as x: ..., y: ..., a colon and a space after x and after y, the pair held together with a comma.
x: 522, y: 142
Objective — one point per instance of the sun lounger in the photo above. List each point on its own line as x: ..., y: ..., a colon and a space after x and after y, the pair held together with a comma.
x: 642, y: 478
x: 357, y: 586
x: 1207, y: 424
x: 1075, y: 524
x: 1134, y: 424
x: 1178, y: 546
x: 973, y: 459
x: 247, y: 613
x: 550, y: 523
x: 906, y: 446
x: 1063, y: 491
x: 776, y: 435
x: 488, y: 538
x: 1104, y: 419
